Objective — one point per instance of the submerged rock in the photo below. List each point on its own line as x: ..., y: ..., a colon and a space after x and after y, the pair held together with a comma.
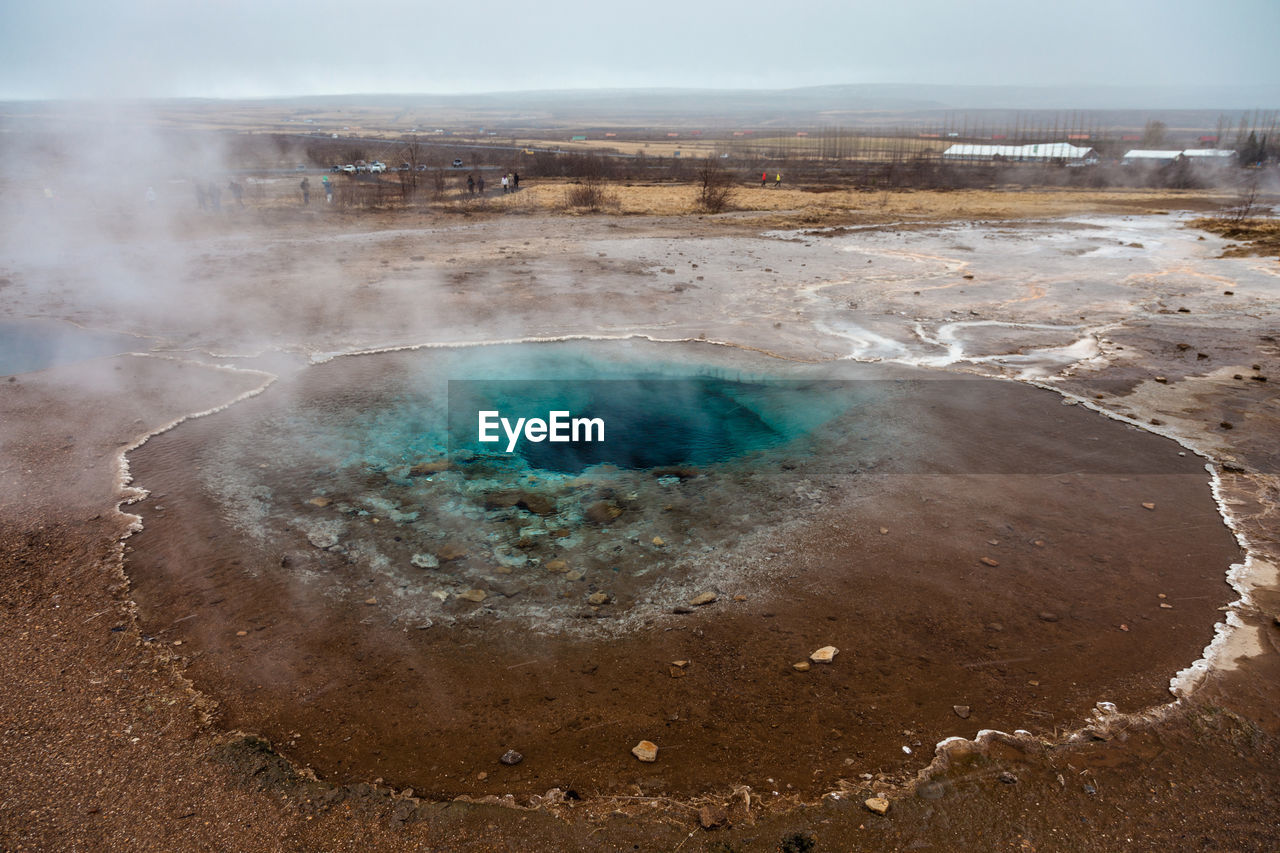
x: 603, y: 512
x: 879, y: 805
x: 424, y: 561
x: 450, y: 551
x: 703, y: 599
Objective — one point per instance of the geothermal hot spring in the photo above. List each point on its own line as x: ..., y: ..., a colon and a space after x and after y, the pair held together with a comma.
x: 353, y: 574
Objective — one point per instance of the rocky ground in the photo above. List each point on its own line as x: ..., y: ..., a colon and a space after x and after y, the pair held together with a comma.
x: 116, y: 736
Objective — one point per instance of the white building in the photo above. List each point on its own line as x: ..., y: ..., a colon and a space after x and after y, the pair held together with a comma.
x: 1071, y: 155
x: 1152, y: 157
x: 1220, y: 156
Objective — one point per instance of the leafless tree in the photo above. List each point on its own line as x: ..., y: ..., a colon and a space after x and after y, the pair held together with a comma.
x: 715, y: 187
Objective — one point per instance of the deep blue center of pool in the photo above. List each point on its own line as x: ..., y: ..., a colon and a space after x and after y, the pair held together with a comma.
x: 646, y: 422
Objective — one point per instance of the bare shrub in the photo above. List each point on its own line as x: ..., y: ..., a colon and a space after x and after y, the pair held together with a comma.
x: 1246, y: 205
x: 715, y: 187
x: 590, y: 193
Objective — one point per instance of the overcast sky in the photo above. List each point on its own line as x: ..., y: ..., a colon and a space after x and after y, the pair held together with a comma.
x: 252, y: 48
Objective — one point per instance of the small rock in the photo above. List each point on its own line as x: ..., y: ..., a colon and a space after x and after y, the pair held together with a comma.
x: 645, y: 750
x: 371, y: 601
x: 676, y: 672
x: 1007, y: 778
x: 1148, y: 505
x: 511, y: 758
x: 993, y: 541
x: 681, y: 610
x: 1048, y: 616
x: 987, y: 561
x: 739, y: 597
x: 242, y: 633
x: 962, y: 711
x: 575, y: 575
x: 802, y: 666
x: 481, y: 776
x: 1162, y: 380
x: 557, y: 566
x: 1039, y: 543
x: 1165, y: 606
x: 680, y: 663
x: 476, y: 595
x: 713, y: 816
x: 884, y: 531
x: 657, y: 540
x: 824, y: 654
x: 879, y: 805
x: 703, y: 599
x: 424, y: 469
x: 1227, y: 425
x: 598, y: 598
x: 320, y: 501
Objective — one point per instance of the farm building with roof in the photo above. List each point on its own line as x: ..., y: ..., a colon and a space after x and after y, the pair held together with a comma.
x: 1050, y: 152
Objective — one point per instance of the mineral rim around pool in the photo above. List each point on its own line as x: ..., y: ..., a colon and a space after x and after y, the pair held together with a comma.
x: 359, y: 578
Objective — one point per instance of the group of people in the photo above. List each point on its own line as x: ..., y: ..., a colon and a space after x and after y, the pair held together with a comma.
x: 209, y: 195
x: 764, y: 179
x: 510, y: 183
x: 305, y: 186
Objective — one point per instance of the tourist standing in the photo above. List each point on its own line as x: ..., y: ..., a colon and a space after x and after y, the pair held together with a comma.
x: 471, y: 185
x: 305, y: 186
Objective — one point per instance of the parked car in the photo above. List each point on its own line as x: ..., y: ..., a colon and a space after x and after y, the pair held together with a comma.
x: 457, y: 163
x: 404, y: 167
x: 377, y: 167
x: 349, y: 169
x: 337, y: 168
x: 422, y: 167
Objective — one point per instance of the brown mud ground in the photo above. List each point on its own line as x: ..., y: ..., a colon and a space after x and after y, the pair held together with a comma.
x: 115, y: 737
